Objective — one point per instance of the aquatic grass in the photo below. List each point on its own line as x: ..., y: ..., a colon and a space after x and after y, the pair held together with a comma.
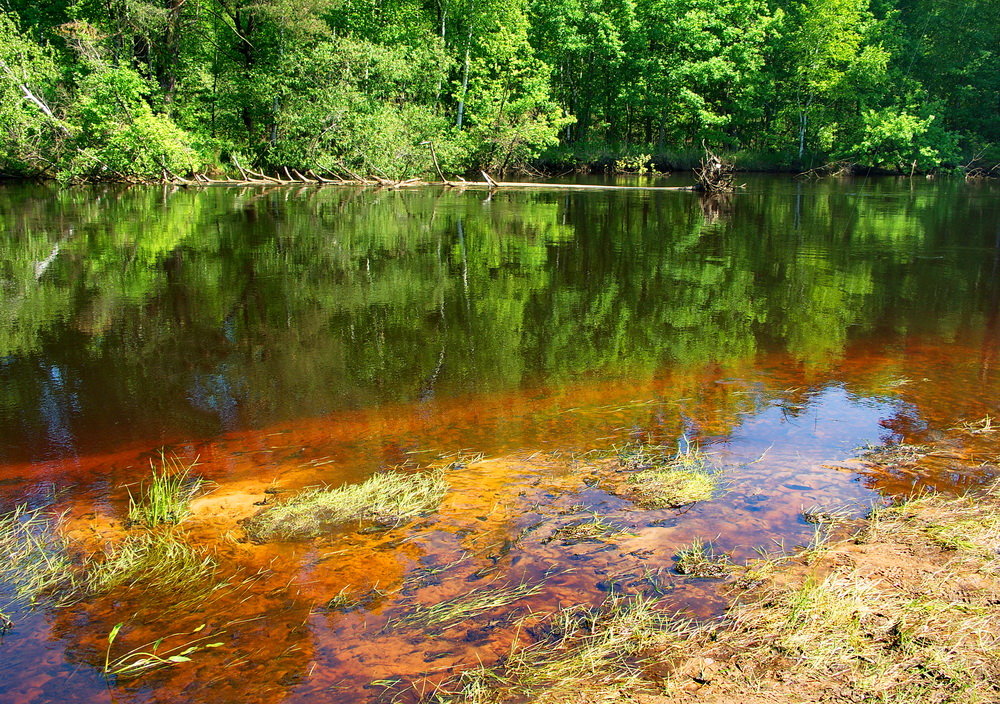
x: 165, y: 498
x: 826, y: 515
x: 594, y: 529
x: 155, y: 561
x: 700, y: 559
x: 892, y: 453
x: 467, y: 606
x: 152, y: 656
x: 586, y: 653
x: 387, y: 498
x: 35, y: 561
x: 894, y: 621
x: 662, y: 479
x: 977, y: 427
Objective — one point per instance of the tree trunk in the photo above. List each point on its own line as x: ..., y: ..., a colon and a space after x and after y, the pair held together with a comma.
x: 465, y: 81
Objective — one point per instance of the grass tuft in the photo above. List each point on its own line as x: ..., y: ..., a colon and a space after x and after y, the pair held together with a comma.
x: 892, y: 453
x: 593, y: 530
x: 664, y: 479
x: 826, y: 515
x: 467, y: 606
x: 699, y: 559
x: 166, y: 497
x: 35, y: 563
x: 977, y: 427
x: 587, y: 654
x: 155, y: 561
x: 388, y: 498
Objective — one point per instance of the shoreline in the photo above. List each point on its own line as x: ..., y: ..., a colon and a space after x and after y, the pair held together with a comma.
x: 900, y: 606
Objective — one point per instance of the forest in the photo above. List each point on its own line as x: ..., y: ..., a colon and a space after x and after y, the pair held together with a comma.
x: 95, y: 90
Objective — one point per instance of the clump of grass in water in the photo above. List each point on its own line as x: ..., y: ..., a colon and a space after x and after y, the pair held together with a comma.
x: 699, y: 559
x: 825, y: 515
x: 596, y: 529
x: 155, y: 561
x: 166, y: 497
x: 665, y: 480
x: 37, y: 564
x: 977, y: 427
x: 893, y: 453
x: 589, y: 653
x: 35, y: 561
x: 388, y: 498
x: 467, y: 606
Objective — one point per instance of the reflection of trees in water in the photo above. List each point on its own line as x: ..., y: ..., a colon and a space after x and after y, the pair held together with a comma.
x: 299, y: 303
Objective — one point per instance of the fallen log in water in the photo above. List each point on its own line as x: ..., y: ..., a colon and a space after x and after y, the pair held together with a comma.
x: 496, y: 185
x: 297, y: 178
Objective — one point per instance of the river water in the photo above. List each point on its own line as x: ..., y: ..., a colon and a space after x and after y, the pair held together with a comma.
x: 285, y: 338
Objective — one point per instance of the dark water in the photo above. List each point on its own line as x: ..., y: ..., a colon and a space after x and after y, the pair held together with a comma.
x: 318, y: 335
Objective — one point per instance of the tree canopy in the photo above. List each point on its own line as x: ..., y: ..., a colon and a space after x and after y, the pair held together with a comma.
x: 138, y: 88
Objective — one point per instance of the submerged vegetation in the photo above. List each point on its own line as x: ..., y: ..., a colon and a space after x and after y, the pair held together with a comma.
x: 386, y: 499
x: 154, y: 561
x: 35, y: 562
x: 660, y: 478
x: 469, y: 605
x: 146, y: 88
x: 582, y: 653
x: 153, y: 656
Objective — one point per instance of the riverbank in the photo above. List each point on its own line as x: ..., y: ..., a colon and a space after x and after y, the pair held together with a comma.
x: 900, y: 606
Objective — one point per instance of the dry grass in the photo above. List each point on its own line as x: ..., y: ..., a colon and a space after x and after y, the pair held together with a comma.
x: 977, y: 427
x: 585, y: 655
x: 892, y: 453
x: 388, y: 498
x: 827, y: 515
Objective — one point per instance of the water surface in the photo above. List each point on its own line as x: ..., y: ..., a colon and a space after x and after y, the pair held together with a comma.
x: 295, y: 337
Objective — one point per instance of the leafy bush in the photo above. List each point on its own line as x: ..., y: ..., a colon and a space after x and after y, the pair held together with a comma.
x: 119, y: 136
x: 902, y: 140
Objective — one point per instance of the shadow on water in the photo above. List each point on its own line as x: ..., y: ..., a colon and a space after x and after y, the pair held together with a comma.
x: 291, y: 339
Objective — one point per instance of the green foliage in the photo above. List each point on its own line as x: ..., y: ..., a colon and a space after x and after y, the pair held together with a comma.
x: 128, y: 90
x: 35, y: 565
x: 118, y: 134
x: 165, y: 498
x: 388, y: 498
x: 27, y: 80
x: 901, y: 140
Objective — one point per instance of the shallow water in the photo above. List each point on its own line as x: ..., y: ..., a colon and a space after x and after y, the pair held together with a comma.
x: 288, y: 338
